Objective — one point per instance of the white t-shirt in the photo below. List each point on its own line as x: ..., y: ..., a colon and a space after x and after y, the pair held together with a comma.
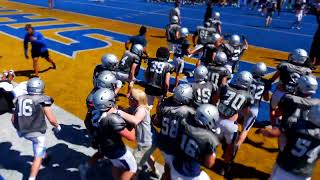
x: 20, y: 89
x: 6, y: 86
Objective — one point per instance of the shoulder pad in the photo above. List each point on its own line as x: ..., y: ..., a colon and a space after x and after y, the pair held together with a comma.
x: 114, y: 122
x: 199, y: 27
x: 185, y: 110
x: 300, y: 101
x: 46, y: 100
x: 283, y: 65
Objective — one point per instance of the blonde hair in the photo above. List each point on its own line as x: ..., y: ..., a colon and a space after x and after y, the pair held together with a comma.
x: 141, y: 97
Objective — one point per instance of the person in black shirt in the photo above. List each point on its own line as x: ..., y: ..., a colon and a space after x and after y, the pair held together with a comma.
x: 271, y: 8
x: 314, y: 50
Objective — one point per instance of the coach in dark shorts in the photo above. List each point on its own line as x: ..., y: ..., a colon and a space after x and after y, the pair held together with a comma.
x: 39, y: 48
x: 138, y: 39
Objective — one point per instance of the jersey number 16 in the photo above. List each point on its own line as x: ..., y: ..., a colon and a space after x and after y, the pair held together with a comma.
x: 25, y: 107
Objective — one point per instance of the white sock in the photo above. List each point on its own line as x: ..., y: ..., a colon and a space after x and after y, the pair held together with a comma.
x: 32, y: 178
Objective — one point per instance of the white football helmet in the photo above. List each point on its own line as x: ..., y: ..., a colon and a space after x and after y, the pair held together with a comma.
x: 298, y: 56
x: 200, y: 73
x: 109, y: 61
x: 183, y: 93
x: 307, y: 85
x: 137, y: 49
x: 244, y: 79
x: 35, y: 86
x: 235, y: 40
x: 184, y: 32
x: 259, y: 69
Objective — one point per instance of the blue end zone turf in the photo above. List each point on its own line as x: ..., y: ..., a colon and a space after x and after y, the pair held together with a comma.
x: 235, y: 20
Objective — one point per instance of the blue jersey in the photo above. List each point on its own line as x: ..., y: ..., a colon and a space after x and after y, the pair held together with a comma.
x: 37, y: 42
x: 138, y: 40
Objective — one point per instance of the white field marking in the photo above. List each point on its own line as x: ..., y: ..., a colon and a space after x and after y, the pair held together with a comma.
x: 72, y: 40
x: 122, y: 21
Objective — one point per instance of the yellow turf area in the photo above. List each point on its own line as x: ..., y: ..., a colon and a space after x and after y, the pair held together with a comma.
x: 70, y: 84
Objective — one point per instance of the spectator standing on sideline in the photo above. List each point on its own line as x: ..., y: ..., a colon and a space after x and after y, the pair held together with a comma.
x: 138, y: 39
x: 39, y: 48
x: 279, y: 6
x: 51, y: 4
x: 208, y: 13
x: 314, y: 50
x: 299, y: 10
x: 175, y: 11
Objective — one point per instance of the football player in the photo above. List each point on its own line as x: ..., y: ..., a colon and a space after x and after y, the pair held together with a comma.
x: 108, y: 63
x: 172, y: 33
x: 234, y: 99
x: 294, y: 107
x: 209, y: 50
x: 169, y: 115
x: 175, y: 12
x: 129, y: 66
x: 218, y: 74
x: 109, y: 128
x: 203, y: 35
x: 234, y: 49
x: 259, y: 89
x: 288, y: 74
x: 198, y: 140
x: 203, y: 92
x: 300, y: 131
x: 216, y: 23
x: 181, y: 50
x: 301, y: 152
x: 105, y: 79
x: 157, y: 76
x: 29, y: 119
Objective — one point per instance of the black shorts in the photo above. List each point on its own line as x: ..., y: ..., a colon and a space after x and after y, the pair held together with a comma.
x: 153, y: 91
x: 36, y: 54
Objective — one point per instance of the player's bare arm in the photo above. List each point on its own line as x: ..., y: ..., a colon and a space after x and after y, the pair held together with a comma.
x: 52, y: 119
